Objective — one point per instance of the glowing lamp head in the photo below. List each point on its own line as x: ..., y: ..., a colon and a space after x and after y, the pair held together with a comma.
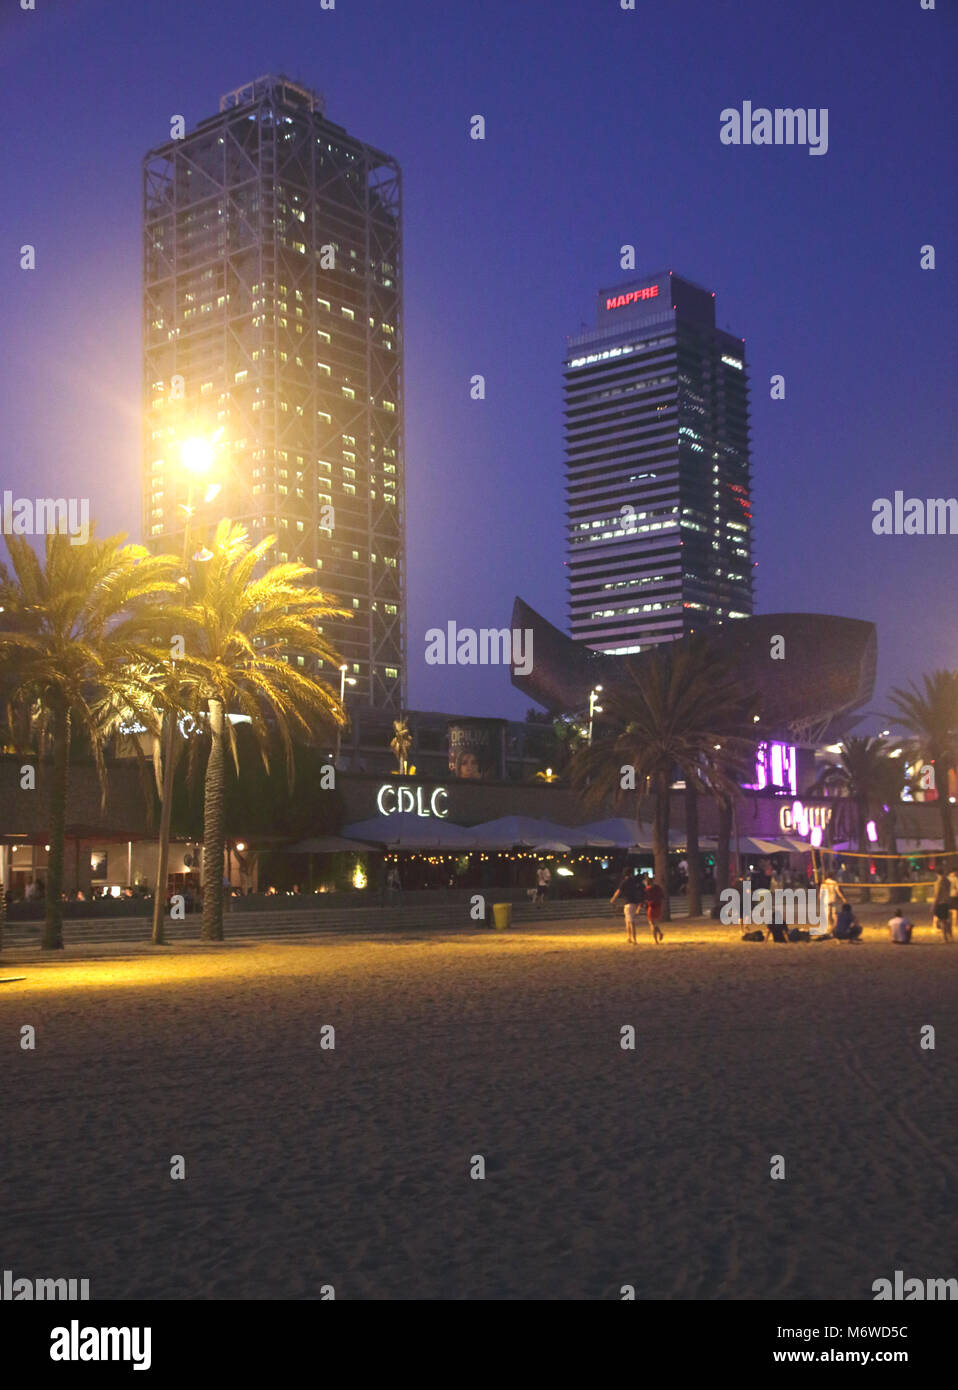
x: 871, y: 830
x: 816, y: 835
x: 196, y: 453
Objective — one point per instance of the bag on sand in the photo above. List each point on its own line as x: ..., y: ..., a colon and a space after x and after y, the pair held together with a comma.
x: 753, y: 936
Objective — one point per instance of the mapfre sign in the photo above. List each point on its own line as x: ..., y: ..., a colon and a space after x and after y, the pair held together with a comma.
x: 619, y: 301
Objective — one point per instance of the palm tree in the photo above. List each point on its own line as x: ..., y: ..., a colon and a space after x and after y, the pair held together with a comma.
x: 929, y: 715
x: 12, y: 740
x: 726, y: 821
x: 680, y: 709
x: 74, y: 625
x: 401, y: 743
x: 571, y: 734
x: 239, y: 631
x: 861, y: 773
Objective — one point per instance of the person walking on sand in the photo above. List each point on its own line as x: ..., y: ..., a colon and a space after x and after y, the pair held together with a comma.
x: 654, y: 898
x: 393, y: 883
x: 941, y: 909
x: 543, y: 880
x: 831, y: 898
x: 953, y: 880
x: 632, y: 892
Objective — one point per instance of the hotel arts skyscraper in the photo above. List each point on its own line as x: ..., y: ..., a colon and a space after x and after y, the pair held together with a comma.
x: 273, y: 326
x: 657, y: 463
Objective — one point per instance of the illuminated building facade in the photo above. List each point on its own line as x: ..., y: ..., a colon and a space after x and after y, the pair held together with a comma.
x: 273, y: 324
x: 657, y: 469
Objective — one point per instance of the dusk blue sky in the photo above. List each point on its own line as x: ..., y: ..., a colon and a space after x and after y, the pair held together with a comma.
x: 602, y: 129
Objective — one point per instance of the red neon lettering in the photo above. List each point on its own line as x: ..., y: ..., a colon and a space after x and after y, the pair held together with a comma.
x: 621, y: 300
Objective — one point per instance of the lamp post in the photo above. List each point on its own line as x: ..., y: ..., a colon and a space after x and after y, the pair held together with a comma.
x: 197, y: 457
x: 344, y: 680
x: 594, y: 708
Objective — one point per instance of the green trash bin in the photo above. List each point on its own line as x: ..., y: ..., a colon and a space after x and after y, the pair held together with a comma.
x: 502, y: 915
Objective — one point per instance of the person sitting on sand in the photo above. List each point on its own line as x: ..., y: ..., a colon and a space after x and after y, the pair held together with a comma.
x: 900, y: 928
x: 654, y: 900
x: 846, y: 928
x: 631, y: 890
x: 776, y: 929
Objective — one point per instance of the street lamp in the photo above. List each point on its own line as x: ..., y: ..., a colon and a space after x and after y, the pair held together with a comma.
x: 594, y: 708
x: 196, y: 455
x: 344, y: 680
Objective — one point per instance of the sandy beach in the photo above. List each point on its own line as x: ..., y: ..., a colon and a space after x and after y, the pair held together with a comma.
x: 604, y: 1167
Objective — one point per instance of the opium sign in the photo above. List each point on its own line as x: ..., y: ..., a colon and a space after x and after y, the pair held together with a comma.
x: 804, y: 819
x: 411, y: 801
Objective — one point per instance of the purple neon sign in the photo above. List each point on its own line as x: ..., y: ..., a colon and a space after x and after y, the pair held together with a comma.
x: 774, y: 769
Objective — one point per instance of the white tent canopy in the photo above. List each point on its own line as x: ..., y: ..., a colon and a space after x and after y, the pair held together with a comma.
x: 753, y: 844
x: 617, y: 832
x: 404, y: 830
x: 621, y: 833
x: 508, y: 832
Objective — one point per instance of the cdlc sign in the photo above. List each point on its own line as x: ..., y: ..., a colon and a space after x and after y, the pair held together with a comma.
x: 392, y: 800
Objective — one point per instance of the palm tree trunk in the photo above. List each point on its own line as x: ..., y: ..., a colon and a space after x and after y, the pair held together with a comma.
x: 865, y: 877
x: 947, y: 827
x: 692, y: 849
x: 722, y: 854
x: 53, y: 918
x: 214, y: 829
x: 894, y: 870
x: 4, y: 884
x: 163, y: 847
x: 660, y: 840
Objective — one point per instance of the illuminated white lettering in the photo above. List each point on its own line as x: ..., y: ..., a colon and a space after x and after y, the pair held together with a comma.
x: 392, y: 800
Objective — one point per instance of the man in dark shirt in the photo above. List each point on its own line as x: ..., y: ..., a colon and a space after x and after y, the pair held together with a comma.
x: 846, y: 928
x: 632, y: 892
